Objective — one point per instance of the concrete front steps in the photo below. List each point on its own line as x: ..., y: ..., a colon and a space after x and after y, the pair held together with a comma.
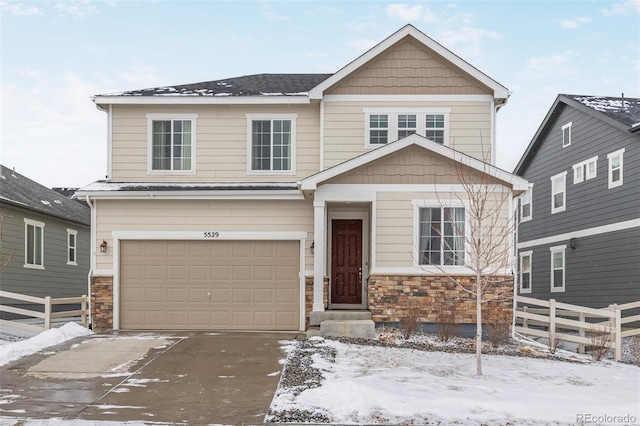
x: 341, y: 324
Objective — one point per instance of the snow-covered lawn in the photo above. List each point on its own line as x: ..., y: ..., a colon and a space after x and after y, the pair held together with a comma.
x: 367, y: 384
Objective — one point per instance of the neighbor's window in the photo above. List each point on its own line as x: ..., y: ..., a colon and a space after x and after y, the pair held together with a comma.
x: 558, y: 192
x: 72, y: 241
x: 585, y: 170
x: 615, y: 168
x: 271, y: 143
x: 172, y: 142
x: 566, y: 135
x: 33, y: 244
x: 384, y: 125
x: 557, y: 268
x: 441, y: 238
x: 525, y: 271
x: 525, y: 205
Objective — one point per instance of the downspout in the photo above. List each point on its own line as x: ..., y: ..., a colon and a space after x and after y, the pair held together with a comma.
x: 92, y: 252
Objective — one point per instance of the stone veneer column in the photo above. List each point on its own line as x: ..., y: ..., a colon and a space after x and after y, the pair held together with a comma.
x: 102, y: 303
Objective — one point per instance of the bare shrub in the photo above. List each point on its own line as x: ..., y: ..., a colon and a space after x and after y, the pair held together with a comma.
x: 634, y: 348
x: 599, y: 342
x: 497, y: 325
x: 411, y: 319
x: 555, y: 342
x: 446, y: 322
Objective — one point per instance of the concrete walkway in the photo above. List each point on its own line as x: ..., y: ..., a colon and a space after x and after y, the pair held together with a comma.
x: 173, y: 378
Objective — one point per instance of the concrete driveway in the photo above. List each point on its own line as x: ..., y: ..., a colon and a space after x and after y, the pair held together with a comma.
x: 188, y: 377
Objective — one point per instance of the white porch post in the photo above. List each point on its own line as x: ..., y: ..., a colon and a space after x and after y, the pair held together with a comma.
x: 319, y: 236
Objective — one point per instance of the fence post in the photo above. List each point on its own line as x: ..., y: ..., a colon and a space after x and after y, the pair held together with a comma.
x: 47, y: 312
x: 525, y: 321
x: 618, y: 330
x: 552, y: 322
x: 83, y: 319
x: 581, y: 346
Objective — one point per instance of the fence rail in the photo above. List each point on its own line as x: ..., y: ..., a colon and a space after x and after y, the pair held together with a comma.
x: 47, y: 315
x: 550, y: 318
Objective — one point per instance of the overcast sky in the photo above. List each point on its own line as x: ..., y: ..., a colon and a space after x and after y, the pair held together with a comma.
x: 55, y: 55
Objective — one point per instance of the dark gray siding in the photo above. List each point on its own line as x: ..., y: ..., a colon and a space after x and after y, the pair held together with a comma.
x: 589, y: 203
x: 602, y: 270
x: 57, y: 279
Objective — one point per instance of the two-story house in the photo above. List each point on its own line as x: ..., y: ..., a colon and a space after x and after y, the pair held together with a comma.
x: 259, y: 201
x: 44, y: 238
x: 579, y: 231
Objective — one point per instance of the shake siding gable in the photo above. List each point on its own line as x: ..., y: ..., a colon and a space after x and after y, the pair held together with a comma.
x: 408, y: 68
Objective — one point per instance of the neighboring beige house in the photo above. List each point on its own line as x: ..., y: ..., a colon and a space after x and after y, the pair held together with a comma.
x: 250, y: 202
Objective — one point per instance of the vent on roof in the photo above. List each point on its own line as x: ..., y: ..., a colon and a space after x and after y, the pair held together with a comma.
x: 57, y: 202
x: 45, y: 202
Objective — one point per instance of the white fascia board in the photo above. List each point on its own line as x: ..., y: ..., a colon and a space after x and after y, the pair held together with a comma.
x: 408, y: 98
x: 311, y: 183
x: 195, y: 195
x: 200, y: 235
x: 499, y: 91
x: 199, y: 100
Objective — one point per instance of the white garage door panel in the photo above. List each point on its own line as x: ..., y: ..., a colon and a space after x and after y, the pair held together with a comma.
x: 235, y: 285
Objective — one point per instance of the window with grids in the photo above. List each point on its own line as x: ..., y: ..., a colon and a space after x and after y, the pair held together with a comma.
x: 585, y: 170
x: 388, y: 125
x: 441, y: 236
x: 407, y: 125
x: 172, y: 143
x: 525, y: 272
x: 435, y: 127
x: 378, y: 129
x: 72, y: 237
x: 33, y: 244
x: 615, y: 168
x: 557, y: 268
x: 271, y: 145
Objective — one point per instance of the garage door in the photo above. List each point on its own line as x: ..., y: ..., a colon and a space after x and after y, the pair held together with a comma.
x: 209, y: 285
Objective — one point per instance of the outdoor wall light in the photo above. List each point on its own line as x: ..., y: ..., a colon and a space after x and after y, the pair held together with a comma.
x: 313, y: 247
x: 573, y: 243
x: 103, y: 246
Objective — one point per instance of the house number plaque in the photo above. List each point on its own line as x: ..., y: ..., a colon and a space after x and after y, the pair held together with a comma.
x: 211, y: 234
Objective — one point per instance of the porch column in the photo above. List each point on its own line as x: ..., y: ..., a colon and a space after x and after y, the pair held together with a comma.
x: 319, y: 235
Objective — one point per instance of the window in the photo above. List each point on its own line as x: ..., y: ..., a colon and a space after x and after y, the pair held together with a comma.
x: 33, y: 244
x: 558, y: 192
x: 72, y: 236
x: 525, y: 206
x: 171, y: 143
x: 384, y: 125
x: 525, y: 271
x: 271, y: 143
x: 615, y: 168
x: 585, y: 170
x: 566, y: 135
x: 557, y: 268
x: 441, y: 238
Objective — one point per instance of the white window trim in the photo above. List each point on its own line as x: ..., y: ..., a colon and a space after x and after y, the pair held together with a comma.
x: 528, y: 254
x: 393, y: 114
x: 583, y: 169
x: 562, y: 175
x: 567, y: 126
x: 38, y: 224
x: 554, y: 250
x: 417, y: 205
x: 151, y: 117
x: 252, y: 117
x: 75, y: 247
x: 610, y: 157
x: 524, y: 218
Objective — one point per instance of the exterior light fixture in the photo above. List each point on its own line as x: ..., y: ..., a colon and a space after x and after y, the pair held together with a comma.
x: 103, y: 246
x: 313, y: 247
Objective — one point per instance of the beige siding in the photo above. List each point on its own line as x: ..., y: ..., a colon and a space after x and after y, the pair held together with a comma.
x: 221, y: 142
x: 408, y: 68
x: 345, y: 127
x: 201, y: 215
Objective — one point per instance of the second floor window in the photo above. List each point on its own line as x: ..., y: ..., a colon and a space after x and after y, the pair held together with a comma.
x: 34, y: 244
x: 586, y: 170
x: 558, y: 192
x: 271, y: 143
x: 525, y: 205
x: 615, y: 168
x: 172, y: 142
x: 389, y: 125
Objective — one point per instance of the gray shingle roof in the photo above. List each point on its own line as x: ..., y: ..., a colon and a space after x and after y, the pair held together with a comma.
x: 248, y: 85
x: 624, y: 110
x: 22, y: 191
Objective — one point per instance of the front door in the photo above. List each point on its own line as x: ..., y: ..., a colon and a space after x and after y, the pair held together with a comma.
x: 346, y: 261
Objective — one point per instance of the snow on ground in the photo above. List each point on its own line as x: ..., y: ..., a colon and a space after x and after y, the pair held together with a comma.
x: 368, y: 384
x: 17, y: 349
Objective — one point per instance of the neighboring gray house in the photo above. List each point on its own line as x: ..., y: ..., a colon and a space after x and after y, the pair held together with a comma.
x: 45, y: 240
x: 579, y: 232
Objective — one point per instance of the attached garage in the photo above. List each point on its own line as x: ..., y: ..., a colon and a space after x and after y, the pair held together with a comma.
x: 209, y: 285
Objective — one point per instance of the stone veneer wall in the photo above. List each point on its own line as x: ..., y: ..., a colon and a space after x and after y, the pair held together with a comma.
x: 389, y: 297
x: 308, y: 296
x: 102, y: 303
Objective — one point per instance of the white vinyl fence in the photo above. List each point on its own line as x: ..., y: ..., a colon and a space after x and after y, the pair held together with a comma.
x: 560, y: 321
x: 47, y: 315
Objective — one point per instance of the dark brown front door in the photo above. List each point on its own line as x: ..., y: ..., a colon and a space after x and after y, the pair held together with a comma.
x: 346, y: 261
